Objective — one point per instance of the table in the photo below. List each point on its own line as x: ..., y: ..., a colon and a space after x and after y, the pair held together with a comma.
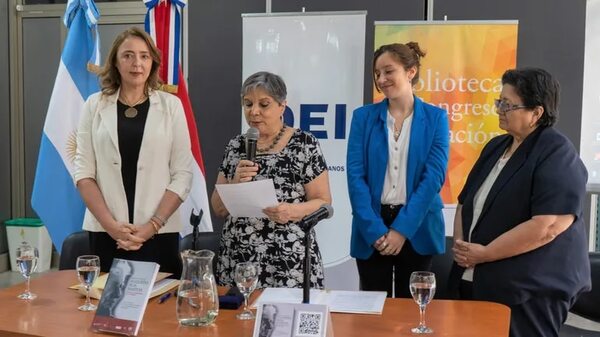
x: 54, y: 313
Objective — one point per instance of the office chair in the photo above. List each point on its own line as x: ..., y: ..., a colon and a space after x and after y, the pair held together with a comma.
x: 204, y: 240
x: 588, y: 304
x: 75, y: 244
x: 441, y: 266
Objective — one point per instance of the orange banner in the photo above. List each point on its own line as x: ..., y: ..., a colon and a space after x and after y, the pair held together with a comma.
x: 461, y: 74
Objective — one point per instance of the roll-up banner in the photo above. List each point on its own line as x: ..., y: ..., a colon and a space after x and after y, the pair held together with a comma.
x: 320, y: 56
x: 460, y: 73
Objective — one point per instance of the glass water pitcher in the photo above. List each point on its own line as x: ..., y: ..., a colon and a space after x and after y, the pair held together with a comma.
x: 197, y: 296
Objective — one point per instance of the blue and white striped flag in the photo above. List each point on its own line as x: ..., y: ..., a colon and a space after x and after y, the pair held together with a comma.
x: 55, y: 197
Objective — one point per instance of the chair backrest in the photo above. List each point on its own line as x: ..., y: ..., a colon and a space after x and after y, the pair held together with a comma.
x: 205, y: 240
x: 588, y: 304
x: 441, y: 266
x: 76, y: 244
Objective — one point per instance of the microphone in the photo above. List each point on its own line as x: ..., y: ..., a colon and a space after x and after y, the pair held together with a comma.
x: 324, y: 212
x: 251, y: 140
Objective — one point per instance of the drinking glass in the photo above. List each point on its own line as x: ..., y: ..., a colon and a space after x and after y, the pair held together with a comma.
x: 88, y: 268
x: 246, y: 277
x: 422, y: 288
x: 27, y: 260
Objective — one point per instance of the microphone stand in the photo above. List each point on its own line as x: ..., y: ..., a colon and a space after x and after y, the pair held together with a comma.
x: 195, y: 221
x: 307, y: 259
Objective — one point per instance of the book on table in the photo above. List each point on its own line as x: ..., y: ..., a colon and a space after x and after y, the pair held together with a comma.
x: 162, y: 284
x: 125, y: 296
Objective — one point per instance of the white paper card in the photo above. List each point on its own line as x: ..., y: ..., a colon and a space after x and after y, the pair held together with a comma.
x: 248, y: 199
x: 292, y: 320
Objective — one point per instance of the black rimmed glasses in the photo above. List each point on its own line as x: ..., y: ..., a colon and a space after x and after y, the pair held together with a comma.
x: 502, y: 107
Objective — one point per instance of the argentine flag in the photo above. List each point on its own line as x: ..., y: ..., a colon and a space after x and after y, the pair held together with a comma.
x: 55, y: 197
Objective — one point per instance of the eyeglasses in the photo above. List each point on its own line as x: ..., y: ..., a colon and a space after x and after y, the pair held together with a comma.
x: 503, y: 106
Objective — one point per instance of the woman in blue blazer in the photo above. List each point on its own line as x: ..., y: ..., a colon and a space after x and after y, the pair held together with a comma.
x: 397, y: 158
x: 519, y: 233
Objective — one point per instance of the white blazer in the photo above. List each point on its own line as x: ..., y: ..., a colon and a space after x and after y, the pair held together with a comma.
x: 164, y: 163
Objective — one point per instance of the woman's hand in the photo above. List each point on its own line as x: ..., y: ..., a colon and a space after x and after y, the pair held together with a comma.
x: 468, y: 254
x: 118, y: 230
x: 393, y: 243
x: 136, y: 238
x: 244, y: 172
x: 283, y: 213
x: 380, y: 244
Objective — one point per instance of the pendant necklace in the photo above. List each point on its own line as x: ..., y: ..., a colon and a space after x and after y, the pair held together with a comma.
x: 131, y: 111
x: 275, y: 141
x: 396, y: 133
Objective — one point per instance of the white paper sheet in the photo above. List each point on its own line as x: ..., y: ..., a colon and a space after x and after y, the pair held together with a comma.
x: 248, y: 199
x: 357, y: 302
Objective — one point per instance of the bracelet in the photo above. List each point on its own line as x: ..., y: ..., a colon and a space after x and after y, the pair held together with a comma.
x: 160, y: 221
x: 155, y: 226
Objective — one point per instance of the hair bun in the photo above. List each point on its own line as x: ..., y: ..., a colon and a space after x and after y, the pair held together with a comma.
x: 414, y: 46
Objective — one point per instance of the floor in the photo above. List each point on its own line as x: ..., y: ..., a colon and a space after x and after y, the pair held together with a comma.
x: 580, y: 322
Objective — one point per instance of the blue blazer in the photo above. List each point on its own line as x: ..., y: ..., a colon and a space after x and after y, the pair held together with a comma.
x: 420, y: 220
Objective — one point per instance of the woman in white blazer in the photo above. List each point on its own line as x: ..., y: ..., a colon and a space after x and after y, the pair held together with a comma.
x: 133, y: 159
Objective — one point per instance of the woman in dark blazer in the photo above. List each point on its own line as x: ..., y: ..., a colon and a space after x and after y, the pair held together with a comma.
x: 519, y: 231
x: 397, y: 158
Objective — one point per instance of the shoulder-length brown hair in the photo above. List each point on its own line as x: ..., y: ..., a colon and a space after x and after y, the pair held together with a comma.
x: 110, y: 78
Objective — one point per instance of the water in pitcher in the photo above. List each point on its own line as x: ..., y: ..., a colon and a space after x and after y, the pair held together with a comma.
x: 197, y: 296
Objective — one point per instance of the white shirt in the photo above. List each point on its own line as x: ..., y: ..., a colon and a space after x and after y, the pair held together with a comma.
x: 478, y: 203
x: 394, y: 185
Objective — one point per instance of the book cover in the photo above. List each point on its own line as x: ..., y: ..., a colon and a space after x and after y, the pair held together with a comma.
x: 125, y: 296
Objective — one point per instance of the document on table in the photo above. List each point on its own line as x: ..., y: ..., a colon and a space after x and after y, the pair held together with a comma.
x: 248, y: 199
x: 356, y: 302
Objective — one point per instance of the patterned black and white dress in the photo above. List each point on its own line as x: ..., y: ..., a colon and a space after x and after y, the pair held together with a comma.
x: 277, y: 248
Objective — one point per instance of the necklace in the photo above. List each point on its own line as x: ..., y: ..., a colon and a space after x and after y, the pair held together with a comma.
x: 397, y: 131
x: 131, y: 111
x: 275, y: 141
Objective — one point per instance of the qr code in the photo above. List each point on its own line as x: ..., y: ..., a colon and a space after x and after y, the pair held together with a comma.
x: 309, y: 324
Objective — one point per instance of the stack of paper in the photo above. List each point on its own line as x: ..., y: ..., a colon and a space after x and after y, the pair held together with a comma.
x: 357, y: 302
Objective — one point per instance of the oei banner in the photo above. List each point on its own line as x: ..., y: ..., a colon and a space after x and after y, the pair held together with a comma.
x: 320, y: 56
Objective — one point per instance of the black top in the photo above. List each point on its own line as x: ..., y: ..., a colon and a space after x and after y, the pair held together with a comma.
x: 130, y: 132
x: 544, y: 176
